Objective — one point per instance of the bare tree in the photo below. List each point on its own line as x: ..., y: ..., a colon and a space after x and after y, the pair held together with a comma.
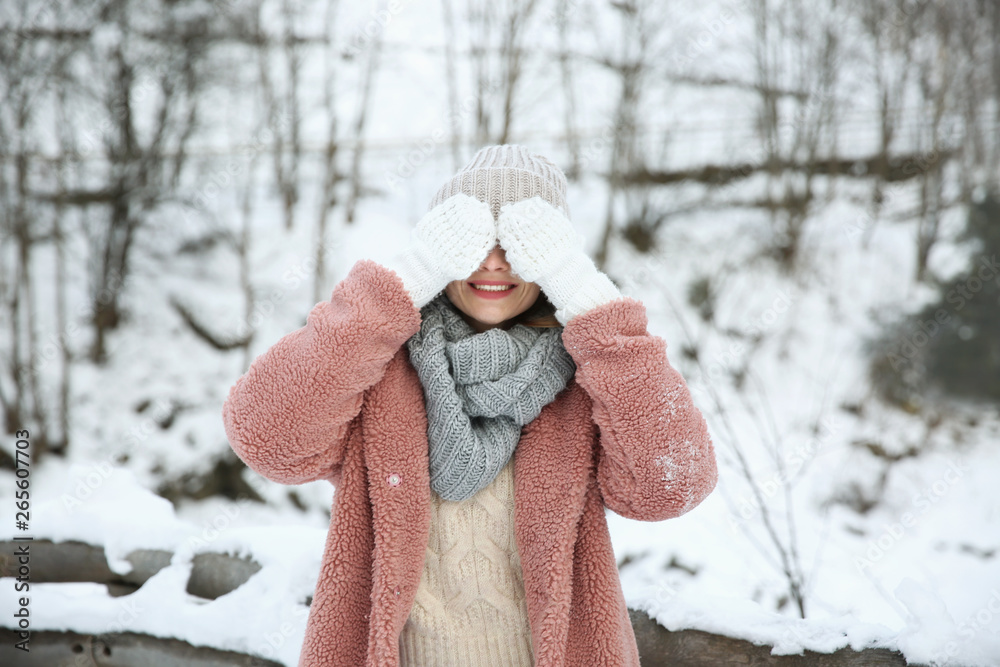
x: 935, y: 77
x: 891, y: 64
x: 633, y: 60
x: 32, y: 63
x: 496, y: 36
x: 361, y: 113
x: 111, y: 157
x: 990, y: 45
x: 451, y: 81
x: 330, y: 168
x: 796, y: 121
x: 284, y: 114
x: 562, y: 17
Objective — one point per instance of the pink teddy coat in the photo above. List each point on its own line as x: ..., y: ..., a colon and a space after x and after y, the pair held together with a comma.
x: 339, y: 400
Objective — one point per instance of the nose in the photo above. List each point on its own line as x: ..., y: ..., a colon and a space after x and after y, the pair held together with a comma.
x: 496, y: 260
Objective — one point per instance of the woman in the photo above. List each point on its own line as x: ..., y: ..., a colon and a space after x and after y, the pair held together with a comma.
x: 477, y: 402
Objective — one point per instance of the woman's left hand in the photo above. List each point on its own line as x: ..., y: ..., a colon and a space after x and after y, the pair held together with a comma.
x: 543, y: 247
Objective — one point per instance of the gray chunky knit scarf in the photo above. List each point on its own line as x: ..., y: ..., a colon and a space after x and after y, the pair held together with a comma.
x: 480, y: 389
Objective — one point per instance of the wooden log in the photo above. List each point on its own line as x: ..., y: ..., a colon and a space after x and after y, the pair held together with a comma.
x: 212, y: 574
x: 120, y: 649
x: 892, y: 170
x: 659, y: 647
x: 215, y: 574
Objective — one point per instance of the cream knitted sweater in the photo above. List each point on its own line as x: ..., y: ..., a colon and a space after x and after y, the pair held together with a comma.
x: 470, y: 608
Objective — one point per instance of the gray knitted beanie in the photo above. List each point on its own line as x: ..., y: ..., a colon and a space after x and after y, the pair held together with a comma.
x: 504, y: 174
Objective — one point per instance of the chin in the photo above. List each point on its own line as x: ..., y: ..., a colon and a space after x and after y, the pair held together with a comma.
x: 491, y: 316
x: 487, y: 314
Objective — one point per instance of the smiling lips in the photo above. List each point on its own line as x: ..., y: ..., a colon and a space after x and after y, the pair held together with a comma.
x: 492, y: 289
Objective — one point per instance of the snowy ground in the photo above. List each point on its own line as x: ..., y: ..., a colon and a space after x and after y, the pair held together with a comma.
x: 919, y: 572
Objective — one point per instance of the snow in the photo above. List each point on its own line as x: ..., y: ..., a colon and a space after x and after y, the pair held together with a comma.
x: 108, y: 506
x: 919, y: 572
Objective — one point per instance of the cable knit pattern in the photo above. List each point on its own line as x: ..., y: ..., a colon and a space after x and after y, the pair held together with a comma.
x: 470, y: 608
x: 506, y: 173
x: 481, y: 388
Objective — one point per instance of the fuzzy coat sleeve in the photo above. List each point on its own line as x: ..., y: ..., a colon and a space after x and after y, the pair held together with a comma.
x: 656, y: 458
x: 289, y: 416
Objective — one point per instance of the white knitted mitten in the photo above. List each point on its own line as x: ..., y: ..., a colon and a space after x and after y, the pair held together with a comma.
x: 543, y: 247
x: 448, y: 243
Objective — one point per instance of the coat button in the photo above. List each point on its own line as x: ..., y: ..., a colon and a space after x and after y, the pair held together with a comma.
x: 397, y: 590
x: 393, y: 479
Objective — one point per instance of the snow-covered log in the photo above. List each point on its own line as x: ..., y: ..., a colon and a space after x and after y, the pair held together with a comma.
x: 125, y: 649
x: 215, y: 574
x: 212, y: 574
x: 659, y: 647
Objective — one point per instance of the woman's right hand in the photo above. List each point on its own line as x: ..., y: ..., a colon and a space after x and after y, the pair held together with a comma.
x: 449, y: 243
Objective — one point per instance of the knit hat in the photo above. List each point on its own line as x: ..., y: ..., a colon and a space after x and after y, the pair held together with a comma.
x: 506, y: 173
